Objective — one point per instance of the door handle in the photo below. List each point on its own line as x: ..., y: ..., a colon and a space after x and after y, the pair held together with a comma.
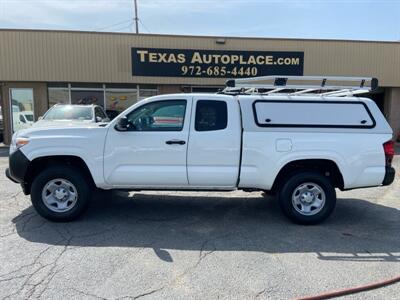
x: 176, y: 142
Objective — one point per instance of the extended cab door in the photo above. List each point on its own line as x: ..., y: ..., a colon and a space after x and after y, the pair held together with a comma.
x: 152, y: 152
x: 214, y: 142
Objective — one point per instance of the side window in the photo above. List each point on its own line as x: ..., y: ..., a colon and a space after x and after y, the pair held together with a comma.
x: 21, y: 118
x: 168, y: 115
x: 211, y: 115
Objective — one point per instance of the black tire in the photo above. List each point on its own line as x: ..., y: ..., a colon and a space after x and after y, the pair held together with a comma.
x: 75, y: 177
x: 297, y: 180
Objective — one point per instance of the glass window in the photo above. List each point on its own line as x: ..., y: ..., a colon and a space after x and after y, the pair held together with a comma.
x: 22, y: 108
x: 58, y: 96
x: 211, y: 115
x: 146, y: 93
x: 117, y: 101
x: 69, y: 112
x: 158, y: 116
x: 87, y: 97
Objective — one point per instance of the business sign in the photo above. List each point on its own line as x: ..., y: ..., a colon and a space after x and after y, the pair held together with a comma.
x: 215, y: 63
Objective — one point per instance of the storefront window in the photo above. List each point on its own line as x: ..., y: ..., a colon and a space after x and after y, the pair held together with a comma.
x: 87, y: 97
x: 58, y: 95
x: 22, y: 108
x: 117, y: 97
x: 119, y: 100
x: 146, y: 93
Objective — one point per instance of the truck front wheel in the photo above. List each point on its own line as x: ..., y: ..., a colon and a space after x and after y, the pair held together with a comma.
x: 60, y: 193
x: 307, y: 198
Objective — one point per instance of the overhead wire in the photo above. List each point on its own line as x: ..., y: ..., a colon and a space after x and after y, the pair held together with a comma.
x: 113, y: 25
x: 144, y: 26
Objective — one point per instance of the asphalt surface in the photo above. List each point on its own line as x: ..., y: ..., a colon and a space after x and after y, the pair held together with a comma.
x: 197, y: 246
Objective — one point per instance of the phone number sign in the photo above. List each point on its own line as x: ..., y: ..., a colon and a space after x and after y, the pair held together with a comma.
x: 214, y: 63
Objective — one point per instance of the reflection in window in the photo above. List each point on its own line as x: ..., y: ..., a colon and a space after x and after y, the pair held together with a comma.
x: 58, y: 96
x: 117, y: 101
x: 22, y: 108
x: 146, y: 93
x: 87, y: 97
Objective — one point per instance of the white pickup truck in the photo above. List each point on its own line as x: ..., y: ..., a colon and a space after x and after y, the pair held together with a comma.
x: 297, y: 145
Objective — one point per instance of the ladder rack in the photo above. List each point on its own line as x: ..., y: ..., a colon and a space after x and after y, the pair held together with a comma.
x: 323, y: 86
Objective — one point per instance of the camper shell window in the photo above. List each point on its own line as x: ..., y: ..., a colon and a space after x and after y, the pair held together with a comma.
x: 311, y: 113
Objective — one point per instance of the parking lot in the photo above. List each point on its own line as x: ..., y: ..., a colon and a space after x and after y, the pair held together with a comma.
x: 181, y: 245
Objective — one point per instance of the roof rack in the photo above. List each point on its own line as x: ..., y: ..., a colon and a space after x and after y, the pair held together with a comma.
x: 325, y: 86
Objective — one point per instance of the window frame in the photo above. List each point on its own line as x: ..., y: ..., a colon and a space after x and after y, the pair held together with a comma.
x: 213, y: 100
x: 313, y: 125
x: 159, y: 129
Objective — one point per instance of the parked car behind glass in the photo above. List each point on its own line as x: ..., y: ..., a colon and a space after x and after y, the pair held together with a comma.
x: 72, y: 114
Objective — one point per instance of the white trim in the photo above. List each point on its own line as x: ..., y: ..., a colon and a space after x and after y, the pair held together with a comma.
x: 86, y: 89
x: 104, y: 97
x: 69, y: 93
x: 120, y: 90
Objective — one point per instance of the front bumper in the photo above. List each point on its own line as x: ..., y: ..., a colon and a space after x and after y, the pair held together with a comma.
x: 9, y: 176
x: 390, y: 172
x: 18, y: 166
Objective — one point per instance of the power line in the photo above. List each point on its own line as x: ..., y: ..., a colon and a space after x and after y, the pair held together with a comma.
x: 144, y: 26
x: 113, y: 25
x: 129, y: 26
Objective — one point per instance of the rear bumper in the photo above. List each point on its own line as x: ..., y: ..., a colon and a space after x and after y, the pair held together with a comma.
x: 389, y: 176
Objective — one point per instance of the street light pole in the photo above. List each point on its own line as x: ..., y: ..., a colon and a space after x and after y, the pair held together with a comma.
x: 136, y: 18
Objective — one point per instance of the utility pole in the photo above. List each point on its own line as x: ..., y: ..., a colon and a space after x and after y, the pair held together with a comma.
x: 136, y: 18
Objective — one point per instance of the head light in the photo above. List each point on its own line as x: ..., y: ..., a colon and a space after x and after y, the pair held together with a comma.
x: 21, y: 141
x: 18, y: 142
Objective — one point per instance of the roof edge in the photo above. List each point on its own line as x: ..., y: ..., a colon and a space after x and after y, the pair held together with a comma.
x: 195, y: 36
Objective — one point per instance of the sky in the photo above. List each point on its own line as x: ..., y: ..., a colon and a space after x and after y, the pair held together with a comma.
x: 320, y: 19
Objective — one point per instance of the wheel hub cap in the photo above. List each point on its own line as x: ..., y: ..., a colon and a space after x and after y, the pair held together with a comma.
x: 61, y: 194
x: 308, y: 199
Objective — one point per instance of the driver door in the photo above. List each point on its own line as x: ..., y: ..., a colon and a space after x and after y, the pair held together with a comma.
x: 152, y: 152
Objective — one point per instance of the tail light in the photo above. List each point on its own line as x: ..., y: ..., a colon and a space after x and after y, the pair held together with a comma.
x: 388, y: 148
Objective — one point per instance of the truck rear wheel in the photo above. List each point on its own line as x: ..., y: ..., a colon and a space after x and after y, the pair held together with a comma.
x: 60, y: 193
x: 307, y: 198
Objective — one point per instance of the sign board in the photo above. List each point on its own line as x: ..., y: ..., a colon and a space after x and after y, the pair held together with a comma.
x: 215, y: 63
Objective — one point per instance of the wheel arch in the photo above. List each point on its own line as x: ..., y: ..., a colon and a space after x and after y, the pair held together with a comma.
x: 40, y: 163
x: 327, y: 167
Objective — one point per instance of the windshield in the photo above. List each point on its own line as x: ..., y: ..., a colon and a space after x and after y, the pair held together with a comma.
x: 69, y: 112
x: 29, y: 117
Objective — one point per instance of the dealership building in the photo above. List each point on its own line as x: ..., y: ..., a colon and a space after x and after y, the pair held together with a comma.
x: 41, y: 68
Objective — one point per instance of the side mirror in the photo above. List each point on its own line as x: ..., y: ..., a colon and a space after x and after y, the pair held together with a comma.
x: 122, y: 124
x: 40, y: 118
x: 98, y: 119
